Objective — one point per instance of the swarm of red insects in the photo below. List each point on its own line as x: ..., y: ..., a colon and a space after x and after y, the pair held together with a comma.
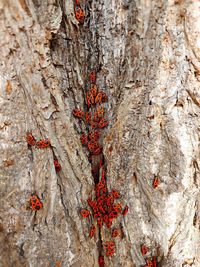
x: 35, y: 203
x: 104, y: 208
x: 30, y: 139
x: 57, y: 165
x: 43, y: 143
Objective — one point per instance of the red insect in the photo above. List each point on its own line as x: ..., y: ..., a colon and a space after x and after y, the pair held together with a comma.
x: 88, y: 117
x: 94, y: 135
x: 94, y: 125
x: 100, y: 222
x: 101, y: 98
x: 149, y: 263
x: 94, y: 90
x: 78, y: 113
x: 115, y: 194
x: 103, y: 123
x: 92, y: 76
x: 98, y: 98
x: 94, y: 147
x: 79, y: 13
x: 156, y: 182
x: 90, y: 97
x: 92, y: 231
x: 100, y: 111
x: 101, y: 261
x: 125, y: 211
x: 85, y: 213
x: 117, y: 207
x: 43, y: 143
x: 115, y: 233
x: 88, y: 102
x: 97, y: 151
x: 144, y: 250
x: 109, y: 248
x: 57, y: 165
x: 30, y: 139
x: 84, y: 139
x: 154, y: 262
x: 35, y: 203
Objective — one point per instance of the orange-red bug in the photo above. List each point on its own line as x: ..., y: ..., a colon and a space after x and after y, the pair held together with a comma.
x: 94, y: 135
x: 35, y: 203
x: 92, y: 231
x: 125, y: 211
x: 78, y: 113
x: 100, y: 111
x: 57, y: 165
x: 85, y: 213
x: 92, y: 76
x: 94, y: 90
x: 156, y: 182
x: 115, y: 233
x: 98, y: 98
x: 149, y: 263
x: 43, y: 143
x: 94, y: 125
x: 79, y: 13
x: 103, y: 123
x: 101, y: 261
x: 30, y: 139
x: 144, y: 250
x: 115, y: 194
x: 88, y: 101
x: 100, y: 222
x: 154, y: 262
x: 84, y: 139
x: 117, y: 207
x: 88, y: 116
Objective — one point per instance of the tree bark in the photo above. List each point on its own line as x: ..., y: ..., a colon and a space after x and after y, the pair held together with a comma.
x: 146, y: 53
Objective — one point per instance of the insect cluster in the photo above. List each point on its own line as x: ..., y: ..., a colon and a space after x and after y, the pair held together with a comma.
x: 104, y: 207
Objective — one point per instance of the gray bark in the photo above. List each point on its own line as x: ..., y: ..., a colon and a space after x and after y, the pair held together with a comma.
x: 148, y: 56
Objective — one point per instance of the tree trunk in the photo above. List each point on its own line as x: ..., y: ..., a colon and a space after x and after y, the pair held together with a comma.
x: 146, y: 54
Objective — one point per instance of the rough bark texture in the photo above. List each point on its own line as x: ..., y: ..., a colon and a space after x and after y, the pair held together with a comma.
x: 147, y: 53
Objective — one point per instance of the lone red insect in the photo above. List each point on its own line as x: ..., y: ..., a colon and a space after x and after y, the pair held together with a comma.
x: 156, y: 182
x: 101, y: 261
x: 92, y: 231
x: 85, y: 213
x: 125, y: 211
x: 92, y: 76
x: 57, y: 165
x: 144, y: 250
x: 35, y: 203
x: 115, y: 233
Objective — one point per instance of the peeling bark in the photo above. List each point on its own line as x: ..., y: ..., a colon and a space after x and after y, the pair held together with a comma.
x: 147, y: 55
